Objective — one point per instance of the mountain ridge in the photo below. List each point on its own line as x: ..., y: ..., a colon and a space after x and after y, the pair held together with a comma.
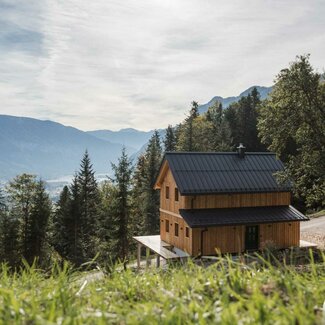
x: 226, y: 101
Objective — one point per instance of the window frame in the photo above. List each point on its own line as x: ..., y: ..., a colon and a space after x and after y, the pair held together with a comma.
x: 187, y: 232
x: 176, y: 232
x: 166, y: 225
x: 167, y: 193
x: 176, y: 194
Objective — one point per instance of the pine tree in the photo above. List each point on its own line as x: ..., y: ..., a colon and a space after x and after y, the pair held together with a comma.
x: 21, y: 191
x: 9, y: 239
x: 2, y: 201
x: 37, y: 238
x: 73, y: 224
x: 170, y: 139
x: 220, y: 136
x: 153, y: 158
x: 121, y: 207
x: 60, y: 237
x: 89, y: 201
x: 137, y: 220
x: 186, y: 140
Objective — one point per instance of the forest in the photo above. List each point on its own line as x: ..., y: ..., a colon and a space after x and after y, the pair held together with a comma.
x: 96, y: 221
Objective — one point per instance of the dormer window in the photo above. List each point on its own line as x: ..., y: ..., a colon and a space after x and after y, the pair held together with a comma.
x: 167, y: 192
x: 176, y: 194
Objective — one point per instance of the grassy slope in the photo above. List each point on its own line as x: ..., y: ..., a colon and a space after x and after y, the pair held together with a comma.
x: 317, y: 214
x: 225, y: 292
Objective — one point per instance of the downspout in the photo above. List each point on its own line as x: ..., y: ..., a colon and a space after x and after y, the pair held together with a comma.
x: 202, y: 233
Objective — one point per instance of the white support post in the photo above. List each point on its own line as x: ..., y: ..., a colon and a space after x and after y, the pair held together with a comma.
x: 139, y: 255
x: 158, y: 261
x: 147, y: 256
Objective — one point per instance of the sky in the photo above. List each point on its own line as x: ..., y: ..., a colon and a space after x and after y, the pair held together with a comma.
x: 112, y: 64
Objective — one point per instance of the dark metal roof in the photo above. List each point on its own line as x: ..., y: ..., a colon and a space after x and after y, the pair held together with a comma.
x: 198, y: 173
x: 240, y: 216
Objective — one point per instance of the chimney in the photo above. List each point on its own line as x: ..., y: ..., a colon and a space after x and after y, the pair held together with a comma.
x: 241, y: 150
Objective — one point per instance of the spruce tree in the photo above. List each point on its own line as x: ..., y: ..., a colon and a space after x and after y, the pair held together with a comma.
x: 153, y: 158
x: 89, y: 201
x: 9, y: 239
x: 138, y: 197
x: 186, y: 140
x: 37, y: 237
x: 60, y: 227
x: 121, y: 207
x: 73, y: 224
x: 21, y: 191
x: 2, y: 201
x: 170, y: 139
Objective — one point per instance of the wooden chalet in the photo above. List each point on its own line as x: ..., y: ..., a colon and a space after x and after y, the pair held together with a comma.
x: 225, y: 201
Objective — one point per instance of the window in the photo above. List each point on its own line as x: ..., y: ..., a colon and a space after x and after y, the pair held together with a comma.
x: 167, y: 225
x: 176, y: 194
x: 167, y: 192
x: 187, y: 232
x: 176, y: 229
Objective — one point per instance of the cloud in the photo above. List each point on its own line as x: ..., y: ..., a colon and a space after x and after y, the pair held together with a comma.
x: 114, y: 64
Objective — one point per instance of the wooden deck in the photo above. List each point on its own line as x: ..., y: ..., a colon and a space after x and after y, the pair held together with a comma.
x: 158, y: 246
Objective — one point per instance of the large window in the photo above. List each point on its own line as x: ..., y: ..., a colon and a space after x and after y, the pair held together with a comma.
x: 176, y: 194
x: 167, y: 192
x: 167, y: 225
x: 176, y: 229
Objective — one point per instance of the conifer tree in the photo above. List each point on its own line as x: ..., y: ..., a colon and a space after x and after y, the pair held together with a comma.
x: 153, y: 158
x: 60, y: 236
x: 186, y: 141
x: 2, y: 201
x: 170, y: 139
x: 89, y: 201
x: 37, y: 238
x: 73, y: 226
x: 137, y: 197
x: 220, y: 136
x: 9, y: 239
x: 21, y: 191
x: 121, y: 207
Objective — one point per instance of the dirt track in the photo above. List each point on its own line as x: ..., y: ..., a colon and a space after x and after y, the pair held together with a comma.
x: 314, y: 231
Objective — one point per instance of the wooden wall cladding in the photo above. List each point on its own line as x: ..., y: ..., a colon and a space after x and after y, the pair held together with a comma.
x: 231, y: 239
x: 181, y: 241
x: 237, y: 200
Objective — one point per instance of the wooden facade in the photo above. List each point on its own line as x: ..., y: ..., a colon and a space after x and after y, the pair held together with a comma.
x: 225, y: 239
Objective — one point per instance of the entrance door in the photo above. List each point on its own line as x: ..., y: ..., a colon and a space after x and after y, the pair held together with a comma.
x: 251, y: 237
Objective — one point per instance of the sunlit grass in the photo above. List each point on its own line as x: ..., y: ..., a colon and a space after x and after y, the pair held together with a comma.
x: 226, y: 292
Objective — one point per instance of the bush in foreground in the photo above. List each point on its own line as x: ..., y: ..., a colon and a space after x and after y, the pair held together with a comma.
x: 225, y: 292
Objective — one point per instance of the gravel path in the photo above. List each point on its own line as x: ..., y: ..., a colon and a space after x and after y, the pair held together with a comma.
x: 314, y: 231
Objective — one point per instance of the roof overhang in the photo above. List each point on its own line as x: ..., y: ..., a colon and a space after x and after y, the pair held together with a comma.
x: 197, y: 218
x: 162, y: 173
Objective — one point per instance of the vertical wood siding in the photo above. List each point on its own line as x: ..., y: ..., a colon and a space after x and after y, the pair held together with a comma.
x: 180, y: 241
x: 231, y: 239
x: 237, y: 200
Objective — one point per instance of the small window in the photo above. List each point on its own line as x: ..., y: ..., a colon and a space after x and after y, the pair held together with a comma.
x: 167, y: 192
x: 187, y: 232
x: 176, y: 229
x: 176, y: 194
x: 167, y: 225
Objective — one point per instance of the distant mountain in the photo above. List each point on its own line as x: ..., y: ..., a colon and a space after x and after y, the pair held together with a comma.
x: 129, y: 137
x: 49, y: 149
x: 264, y: 92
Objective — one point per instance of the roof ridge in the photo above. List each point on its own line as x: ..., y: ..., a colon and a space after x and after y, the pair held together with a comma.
x: 217, y: 153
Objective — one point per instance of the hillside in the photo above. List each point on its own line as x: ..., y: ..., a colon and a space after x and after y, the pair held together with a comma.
x: 263, y: 91
x: 49, y: 149
x: 224, y: 293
